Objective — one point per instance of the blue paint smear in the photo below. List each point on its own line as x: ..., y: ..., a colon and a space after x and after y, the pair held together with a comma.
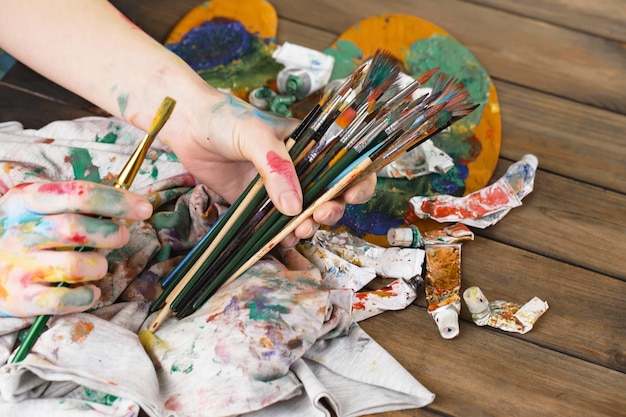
x: 6, y: 62
x: 216, y: 42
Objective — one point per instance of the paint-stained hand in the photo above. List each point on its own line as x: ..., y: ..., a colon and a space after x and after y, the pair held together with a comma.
x: 232, y: 134
x: 40, y: 224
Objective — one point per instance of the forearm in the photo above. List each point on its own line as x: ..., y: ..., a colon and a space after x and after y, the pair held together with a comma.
x: 91, y: 49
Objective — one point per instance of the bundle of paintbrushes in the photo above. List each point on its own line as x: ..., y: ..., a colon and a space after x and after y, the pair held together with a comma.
x: 356, y: 129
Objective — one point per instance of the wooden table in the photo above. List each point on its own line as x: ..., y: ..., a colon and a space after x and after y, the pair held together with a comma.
x: 559, y: 69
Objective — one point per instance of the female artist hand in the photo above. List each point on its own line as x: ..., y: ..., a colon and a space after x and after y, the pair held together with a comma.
x: 41, y: 223
x: 124, y: 71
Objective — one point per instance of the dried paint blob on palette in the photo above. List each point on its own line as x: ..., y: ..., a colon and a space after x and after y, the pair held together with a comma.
x: 473, y: 143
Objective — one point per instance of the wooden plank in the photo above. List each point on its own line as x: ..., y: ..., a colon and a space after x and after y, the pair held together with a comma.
x: 157, y: 17
x: 34, y: 111
x: 605, y: 18
x: 569, y: 138
x: 581, y: 302
x: 23, y: 78
x: 289, y: 31
x: 485, y: 373
x: 574, y: 222
x: 523, y: 51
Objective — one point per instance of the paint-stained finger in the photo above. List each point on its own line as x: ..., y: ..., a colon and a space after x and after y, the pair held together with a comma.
x: 46, y: 300
x: 87, y: 198
x: 75, y: 230
x: 272, y: 160
x: 65, y: 266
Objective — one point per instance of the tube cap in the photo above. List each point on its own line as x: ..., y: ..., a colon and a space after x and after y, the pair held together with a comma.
x: 448, y: 322
x: 406, y: 237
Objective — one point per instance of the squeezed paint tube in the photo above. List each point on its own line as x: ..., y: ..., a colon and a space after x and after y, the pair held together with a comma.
x: 443, y: 286
x: 300, y: 81
x: 396, y: 296
x: 293, y: 55
x: 423, y: 160
x: 453, y: 233
x: 481, y: 208
x: 411, y: 237
x: 337, y: 273
x: 405, y: 237
x: 503, y: 315
x: 393, y: 262
x: 306, y: 70
x: 261, y: 97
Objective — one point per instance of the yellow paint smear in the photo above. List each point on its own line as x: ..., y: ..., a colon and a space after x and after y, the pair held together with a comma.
x: 258, y: 16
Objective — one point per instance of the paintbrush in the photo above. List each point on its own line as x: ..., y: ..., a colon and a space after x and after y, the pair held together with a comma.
x: 124, y: 181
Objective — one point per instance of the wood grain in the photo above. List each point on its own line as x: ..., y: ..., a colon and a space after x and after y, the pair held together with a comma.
x: 606, y: 18
x: 514, y: 48
x: 558, y: 68
x: 485, y: 373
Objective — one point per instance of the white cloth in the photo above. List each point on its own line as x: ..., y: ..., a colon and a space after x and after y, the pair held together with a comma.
x: 290, y: 343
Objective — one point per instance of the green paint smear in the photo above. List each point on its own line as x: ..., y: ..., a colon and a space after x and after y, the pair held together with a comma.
x: 34, y: 172
x: 122, y: 102
x: 264, y: 312
x: 256, y: 69
x: 110, y: 137
x: 99, y: 397
x: 83, y: 167
x: 455, y: 59
x: 178, y: 219
x: 176, y: 368
x: 346, y: 54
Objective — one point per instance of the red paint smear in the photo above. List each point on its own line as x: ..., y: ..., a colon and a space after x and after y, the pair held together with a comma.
x: 23, y: 185
x: 45, y: 140
x: 61, y: 188
x: 78, y: 239
x: 282, y: 167
x: 172, y: 403
x: 473, y: 206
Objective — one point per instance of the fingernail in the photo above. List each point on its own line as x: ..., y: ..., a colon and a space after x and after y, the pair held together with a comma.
x: 290, y: 203
x: 144, y: 209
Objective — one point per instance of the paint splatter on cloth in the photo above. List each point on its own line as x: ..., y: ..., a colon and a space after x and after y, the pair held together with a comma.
x: 275, y: 340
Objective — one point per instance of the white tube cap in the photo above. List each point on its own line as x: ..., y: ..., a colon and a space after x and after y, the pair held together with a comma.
x: 448, y: 322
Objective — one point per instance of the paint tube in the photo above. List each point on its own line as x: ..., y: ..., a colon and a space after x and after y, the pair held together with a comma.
x: 261, y: 97
x: 306, y: 70
x: 423, y: 160
x: 297, y: 56
x: 403, y: 263
x: 337, y: 273
x: 406, y: 237
x: 453, y: 233
x: 503, y: 315
x: 300, y: 82
x: 411, y: 237
x: 396, y: 296
x: 481, y: 208
x: 443, y: 286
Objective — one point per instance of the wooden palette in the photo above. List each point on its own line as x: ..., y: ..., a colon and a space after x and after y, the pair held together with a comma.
x: 473, y: 143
